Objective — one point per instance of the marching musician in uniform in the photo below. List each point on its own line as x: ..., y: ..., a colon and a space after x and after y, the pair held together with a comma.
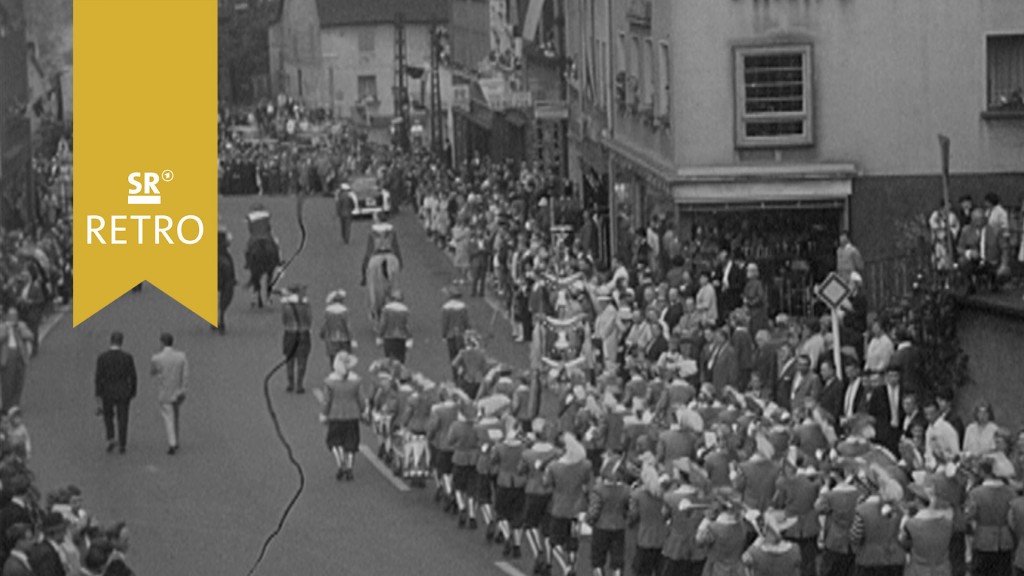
x: 837, y: 505
x: 394, y: 328
x: 297, y: 316
x: 335, y: 331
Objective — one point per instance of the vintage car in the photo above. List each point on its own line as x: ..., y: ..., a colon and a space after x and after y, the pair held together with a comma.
x: 367, y: 196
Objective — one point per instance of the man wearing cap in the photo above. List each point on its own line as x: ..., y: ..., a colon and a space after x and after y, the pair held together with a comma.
x: 465, y: 450
x: 875, y: 529
x: 454, y: 322
x: 681, y: 555
x: 48, y: 558
x: 796, y: 493
x: 260, y: 231
x: 394, y: 333
x: 345, y: 206
x: 569, y: 478
x: 607, y: 510
x: 470, y: 366
x: 335, y: 330
x: 297, y: 317
x: 756, y: 478
x: 442, y: 415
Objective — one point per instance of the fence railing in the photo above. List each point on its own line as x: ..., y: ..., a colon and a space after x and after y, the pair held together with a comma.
x: 888, y: 280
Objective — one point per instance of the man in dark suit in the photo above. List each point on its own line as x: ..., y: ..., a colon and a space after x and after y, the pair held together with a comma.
x: 886, y: 406
x: 979, y: 248
x: 743, y: 343
x: 785, y: 374
x: 16, y: 510
x: 730, y: 280
x: 910, y: 360
x: 45, y: 557
x: 21, y: 537
x: 912, y: 413
x: 723, y: 363
x: 658, y: 344
x: 116, y: 384
x: 832, y: 391
x: 857, y: 392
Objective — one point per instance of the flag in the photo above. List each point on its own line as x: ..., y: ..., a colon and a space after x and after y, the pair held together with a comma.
x: 532, y: 21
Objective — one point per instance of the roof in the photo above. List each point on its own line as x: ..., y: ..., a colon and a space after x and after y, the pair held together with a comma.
x: 354, y: 12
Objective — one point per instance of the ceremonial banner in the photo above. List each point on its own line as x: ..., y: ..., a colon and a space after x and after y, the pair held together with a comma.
x: 145, y: 152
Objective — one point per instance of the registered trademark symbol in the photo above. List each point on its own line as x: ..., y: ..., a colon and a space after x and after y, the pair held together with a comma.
x: 167, y: 175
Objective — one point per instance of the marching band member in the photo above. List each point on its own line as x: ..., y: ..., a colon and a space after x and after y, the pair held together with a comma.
x: 335, y: 330
x: 442, y: 415
x: 394, y: 335
x: 607, y: 512
x: 568, y: 477
x: 465, y: 450
x: 538, y: 492
x: 510, y: 497
x: 297, y: 316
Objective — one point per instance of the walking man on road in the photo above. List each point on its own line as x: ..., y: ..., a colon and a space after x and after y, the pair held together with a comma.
x: 345, y: 206
x: 394, y: 328
x: 170, y: 367
x: 298, y: 321
x: 15, y: 350
x: 454, y: 322
x: 116, y: 383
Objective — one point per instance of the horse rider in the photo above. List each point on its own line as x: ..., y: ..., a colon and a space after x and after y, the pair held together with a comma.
x: 381, y: 263
x: 258, y: 220
x: 225, y: 275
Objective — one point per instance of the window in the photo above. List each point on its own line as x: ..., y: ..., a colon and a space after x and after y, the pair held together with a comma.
x: 366, y: 39
x: 650, y: 74
x: 665, y: 87
x: 620, y: 54
x: 773, y: 96
x: 367, y: 88
x: 636, y: 72
x: 1005, y: 72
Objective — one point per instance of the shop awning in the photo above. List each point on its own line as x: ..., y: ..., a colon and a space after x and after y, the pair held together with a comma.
x: 813, y: 185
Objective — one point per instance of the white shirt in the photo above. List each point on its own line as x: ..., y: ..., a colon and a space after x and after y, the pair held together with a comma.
x: 980, y: 439
x: 940, y: 439
x: 894, y: 405
x: 851, y: 395
x: 998, y: 218
x: 880, y: 351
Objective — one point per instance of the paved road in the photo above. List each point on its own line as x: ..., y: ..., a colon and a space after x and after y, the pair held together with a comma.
x: 207, y: 509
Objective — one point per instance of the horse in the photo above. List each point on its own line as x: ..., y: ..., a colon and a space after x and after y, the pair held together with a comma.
x: 381, y: 278
x: 261, y: 259
x: 225, y: 285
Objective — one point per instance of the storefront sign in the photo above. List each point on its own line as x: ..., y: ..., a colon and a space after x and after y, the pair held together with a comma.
x: 551, y: 110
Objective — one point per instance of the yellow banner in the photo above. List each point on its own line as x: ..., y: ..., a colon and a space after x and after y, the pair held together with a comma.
x: 145, y: 88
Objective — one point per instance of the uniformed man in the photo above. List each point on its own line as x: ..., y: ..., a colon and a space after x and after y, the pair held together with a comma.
x: 607, y: 513
x: 382, y: 240
x: 297, y: 316
x: 465, y: 450
x: 394, y: 328
x: 335, y: 330
x: 875, y: 529
x: 441, y: 417
x: 569, y: 478
x: 837, y: 505
x: 345, y: 206
x: 987, y: 507
x: 258, y: 221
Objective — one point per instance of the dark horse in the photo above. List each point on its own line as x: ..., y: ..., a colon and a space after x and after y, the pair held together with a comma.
x: 261, y: 259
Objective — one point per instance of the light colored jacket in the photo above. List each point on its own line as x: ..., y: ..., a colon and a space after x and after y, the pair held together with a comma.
x: 170, y: 367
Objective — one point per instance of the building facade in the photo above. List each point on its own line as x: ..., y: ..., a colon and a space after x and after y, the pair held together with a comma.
x: 15, y: 131
x: 824, y: 113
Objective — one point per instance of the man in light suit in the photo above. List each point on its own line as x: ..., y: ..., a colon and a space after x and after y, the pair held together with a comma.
x: 170, y: 367
x: 15, y: 350
x: 116, y: 382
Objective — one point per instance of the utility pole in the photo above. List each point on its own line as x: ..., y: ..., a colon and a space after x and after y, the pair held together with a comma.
x: 401, y: 89
x: 436, y: 121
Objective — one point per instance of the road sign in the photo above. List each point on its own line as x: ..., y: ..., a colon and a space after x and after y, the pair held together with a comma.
x: 833, y: 290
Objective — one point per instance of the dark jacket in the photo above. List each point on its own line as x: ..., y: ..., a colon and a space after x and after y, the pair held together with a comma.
x: 116, y: 379
x: 45, y: 561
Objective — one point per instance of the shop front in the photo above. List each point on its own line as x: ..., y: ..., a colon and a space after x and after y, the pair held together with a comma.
x: 786, y: 220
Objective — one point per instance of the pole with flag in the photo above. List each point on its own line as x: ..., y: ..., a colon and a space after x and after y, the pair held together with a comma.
x: 947, y: 203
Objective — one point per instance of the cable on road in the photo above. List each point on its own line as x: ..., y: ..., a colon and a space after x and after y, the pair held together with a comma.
x: 273, y: 413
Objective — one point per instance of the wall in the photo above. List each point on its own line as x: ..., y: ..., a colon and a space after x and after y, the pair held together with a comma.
x: 341, y: 53
x: 993, y: 345
x: 888, y: 76
x: 14, y: 125
x: 469, y: 32
x: 294, y: 47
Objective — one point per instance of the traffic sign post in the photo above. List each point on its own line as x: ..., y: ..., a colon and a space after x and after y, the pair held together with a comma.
x: 833, y: 291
